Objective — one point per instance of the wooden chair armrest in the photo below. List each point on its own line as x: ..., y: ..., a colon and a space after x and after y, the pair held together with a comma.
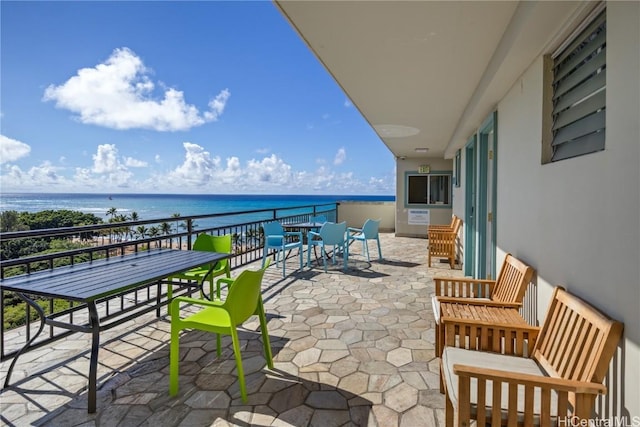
x: 502, y: 326
x: 442, y: 234
x: 477, y: 301
x: 555, y: 383
x: 544, y: 387
x: 463, y: 286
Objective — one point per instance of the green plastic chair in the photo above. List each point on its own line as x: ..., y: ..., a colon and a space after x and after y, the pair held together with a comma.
x: 206, y: 242
x: 244, y: 299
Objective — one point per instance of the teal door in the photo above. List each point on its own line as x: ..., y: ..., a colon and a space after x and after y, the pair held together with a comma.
x: 480, y: 214
x: 470, y: 213
x: 486, y: 201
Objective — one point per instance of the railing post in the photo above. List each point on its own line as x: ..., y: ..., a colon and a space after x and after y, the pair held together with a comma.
x: 189, y: 231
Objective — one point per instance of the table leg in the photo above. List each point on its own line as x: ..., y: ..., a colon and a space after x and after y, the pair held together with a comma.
x: 36, y: 307
x: 93, y: 363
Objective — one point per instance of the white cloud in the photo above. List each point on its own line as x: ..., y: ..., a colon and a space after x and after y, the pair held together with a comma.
x: 110, y: 169
x: 197, y: 168
x: 36, y: 178
x: 106, y: 159
x: 12, y: 150
x: 270, y: 170
x: 119, y: 94
x: 347, y: 103
x: 199, y: 172
x: 340, y: 157
x: 134, y: 163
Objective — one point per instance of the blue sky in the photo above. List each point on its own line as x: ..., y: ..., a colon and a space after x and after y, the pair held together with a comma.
x: 175, y: 97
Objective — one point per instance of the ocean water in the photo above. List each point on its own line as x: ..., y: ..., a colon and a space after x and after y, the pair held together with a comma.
x: 156, y: 206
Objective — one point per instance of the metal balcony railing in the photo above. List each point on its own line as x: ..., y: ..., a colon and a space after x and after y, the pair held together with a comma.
x: 118, y: 238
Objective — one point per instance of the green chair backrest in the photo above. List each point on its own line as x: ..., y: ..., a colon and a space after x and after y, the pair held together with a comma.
x: 209, y: 243
x: 244, y: 295
x: 222, y: 244
x: 203, y: 243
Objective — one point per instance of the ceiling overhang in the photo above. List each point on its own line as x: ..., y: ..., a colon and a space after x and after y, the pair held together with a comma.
x: 426, y: 74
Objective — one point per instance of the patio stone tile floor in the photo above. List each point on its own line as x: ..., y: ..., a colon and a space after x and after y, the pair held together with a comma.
x: 350, y: 349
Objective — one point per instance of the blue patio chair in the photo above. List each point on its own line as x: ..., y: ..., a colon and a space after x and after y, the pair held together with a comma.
x: 318, y: 218
x: 330, y: 234
x: 276, y: 238
x: 369, y: 231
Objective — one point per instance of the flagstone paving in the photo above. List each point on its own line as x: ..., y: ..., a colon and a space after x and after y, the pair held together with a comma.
x: 350, y: 349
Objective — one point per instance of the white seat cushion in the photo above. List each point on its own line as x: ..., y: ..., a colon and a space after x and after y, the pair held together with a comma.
x: 453, y: 355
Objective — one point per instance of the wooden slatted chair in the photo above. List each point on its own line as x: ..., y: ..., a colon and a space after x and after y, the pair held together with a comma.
x: 454, y: 218
x: 442, y: 242
x: 506, y: 291
x: 556, y: 385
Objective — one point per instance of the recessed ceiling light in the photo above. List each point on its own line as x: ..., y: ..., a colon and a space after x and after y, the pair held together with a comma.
x: 422, y: 150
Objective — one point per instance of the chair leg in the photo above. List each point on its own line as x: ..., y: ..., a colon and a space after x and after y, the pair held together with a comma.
x: 345, y: 255
x: 236, y: 351
x: 174, y: 356
x: 284, y: 262
x: 448, y: 410
x: 366, y: 248
x: 379, y: 249
x: 300, y: 255
x: 324, y: 258
x: 169, y: 296
x: 265, y: 334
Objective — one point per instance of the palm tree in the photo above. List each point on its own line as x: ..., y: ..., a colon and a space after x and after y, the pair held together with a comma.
x: 235, y: 237
x: 154, y: 232
x: 133, y: 217
x: 165, y: 228
x: 141, y: 231
x: 178, y: 224
x: 112, y: 212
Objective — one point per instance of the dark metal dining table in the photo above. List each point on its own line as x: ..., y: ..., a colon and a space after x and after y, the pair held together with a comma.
x: 92, y: 282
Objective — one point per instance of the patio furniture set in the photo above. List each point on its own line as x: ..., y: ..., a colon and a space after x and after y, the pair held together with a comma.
x: 321, y: 234
x: 497, y: 369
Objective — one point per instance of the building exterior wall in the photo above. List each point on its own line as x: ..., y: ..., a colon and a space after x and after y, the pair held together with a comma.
x: 577, y: 221
x: 356, y: 213
x: 437, y: 214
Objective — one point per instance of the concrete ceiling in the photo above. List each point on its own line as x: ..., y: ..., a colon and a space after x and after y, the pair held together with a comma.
x: 425, y: 74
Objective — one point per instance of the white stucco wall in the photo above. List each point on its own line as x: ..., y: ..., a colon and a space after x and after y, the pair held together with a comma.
x: 577, y: 221
x: 438, y: 215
